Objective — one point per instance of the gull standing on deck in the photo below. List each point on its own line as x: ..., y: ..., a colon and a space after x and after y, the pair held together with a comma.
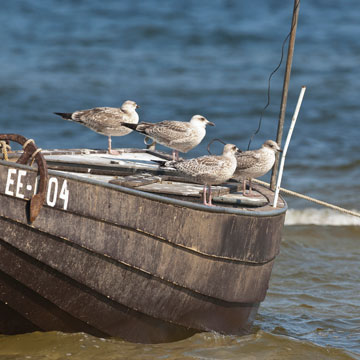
x: 208, y: 170
x: 176, y: 135
x: 252, y: 164
x: 106, y: 120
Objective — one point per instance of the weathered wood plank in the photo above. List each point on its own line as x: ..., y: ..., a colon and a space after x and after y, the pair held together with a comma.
x: 65, y: 297
x: 211, y: 276
x: 11, y: 321
x: 131, y: 287
x: 237, y: 198
x: 179, y: 188
x: 36, y: 310
x: 123, y: 152
x: 136, y: 180
x: 252, y: 243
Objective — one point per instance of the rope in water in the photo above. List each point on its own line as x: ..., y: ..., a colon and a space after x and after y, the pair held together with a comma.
x: 305, y: 197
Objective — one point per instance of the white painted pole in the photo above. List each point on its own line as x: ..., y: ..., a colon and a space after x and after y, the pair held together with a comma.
x: 282, y: 162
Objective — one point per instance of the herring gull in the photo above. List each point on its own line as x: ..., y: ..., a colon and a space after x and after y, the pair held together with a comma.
x: 106, y: 120
x: 252, y: 164
x: 208, y: 170
x: 176, y: 135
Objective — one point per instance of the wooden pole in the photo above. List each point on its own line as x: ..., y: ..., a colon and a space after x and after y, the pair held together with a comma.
x: 285, y: 89
x: 287, y: 142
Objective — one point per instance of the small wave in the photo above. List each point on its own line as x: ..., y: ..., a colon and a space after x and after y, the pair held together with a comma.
x: 324, y: 217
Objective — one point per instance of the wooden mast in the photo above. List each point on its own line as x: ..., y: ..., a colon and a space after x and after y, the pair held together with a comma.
x: 285, y: 88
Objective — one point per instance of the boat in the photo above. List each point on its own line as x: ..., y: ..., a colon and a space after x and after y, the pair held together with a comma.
x: 116, y: 246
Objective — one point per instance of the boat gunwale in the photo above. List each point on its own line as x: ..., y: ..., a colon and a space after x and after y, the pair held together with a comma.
x: 151, y: 196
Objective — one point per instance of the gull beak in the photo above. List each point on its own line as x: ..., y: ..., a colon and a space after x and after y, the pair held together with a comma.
x: 210, y: 123
x: 280, y: 151
x: 137, y: 106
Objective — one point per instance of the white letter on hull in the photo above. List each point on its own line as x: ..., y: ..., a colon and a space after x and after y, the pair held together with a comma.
x: 19, y: 184
x: 9, y: 182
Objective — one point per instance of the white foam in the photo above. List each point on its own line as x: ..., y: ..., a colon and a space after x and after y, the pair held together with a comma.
x: 324, y: 217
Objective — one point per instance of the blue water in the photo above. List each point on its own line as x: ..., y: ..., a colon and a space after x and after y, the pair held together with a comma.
x: 180, y: 58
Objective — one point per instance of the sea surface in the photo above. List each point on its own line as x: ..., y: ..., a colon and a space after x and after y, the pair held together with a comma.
x: 214, y: 58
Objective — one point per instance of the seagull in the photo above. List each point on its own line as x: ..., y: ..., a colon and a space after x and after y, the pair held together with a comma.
x: 252, y: 164
x: 208, y: 170
x: 176, y: 135
x: 106, y: 120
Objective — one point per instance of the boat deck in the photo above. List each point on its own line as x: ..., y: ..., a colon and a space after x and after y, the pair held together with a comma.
x: 138, y: 169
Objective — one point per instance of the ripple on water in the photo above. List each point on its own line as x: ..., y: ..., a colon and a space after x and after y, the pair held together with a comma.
x: 312, y: 293
x: 258, y: 346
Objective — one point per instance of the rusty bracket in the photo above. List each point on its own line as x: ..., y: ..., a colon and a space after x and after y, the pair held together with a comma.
x: 32, y: 151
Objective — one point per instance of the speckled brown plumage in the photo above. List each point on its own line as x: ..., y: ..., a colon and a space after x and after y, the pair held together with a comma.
x: 255, y: 163
x: 106, y: 120
x: 208, y: 170
x: 176, y: 135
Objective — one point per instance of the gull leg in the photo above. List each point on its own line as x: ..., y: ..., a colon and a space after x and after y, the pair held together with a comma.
x: 210, y: 197
x: 250, y: 190
x: 110, y: 151
x: 204, y: 195
x: 244, y: 186
x: 205, y: 202
x: 175, y: 155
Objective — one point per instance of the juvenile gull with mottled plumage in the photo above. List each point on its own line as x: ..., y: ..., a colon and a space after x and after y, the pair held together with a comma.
x: 106, y: 120
x: 208, y: 170
x: 255, y: 163
x: 176, y: 135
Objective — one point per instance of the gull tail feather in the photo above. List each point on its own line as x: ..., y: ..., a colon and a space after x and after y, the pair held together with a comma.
x: 130, y: 125
x: 66, y: 116
x: 165, y: 163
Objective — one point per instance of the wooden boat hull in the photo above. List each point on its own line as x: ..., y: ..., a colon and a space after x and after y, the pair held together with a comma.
x: 113, y: 261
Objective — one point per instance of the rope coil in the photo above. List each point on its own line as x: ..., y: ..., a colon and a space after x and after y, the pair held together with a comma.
x: 5, y: 147
x: 27, y: 142
x: 34, y: 155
